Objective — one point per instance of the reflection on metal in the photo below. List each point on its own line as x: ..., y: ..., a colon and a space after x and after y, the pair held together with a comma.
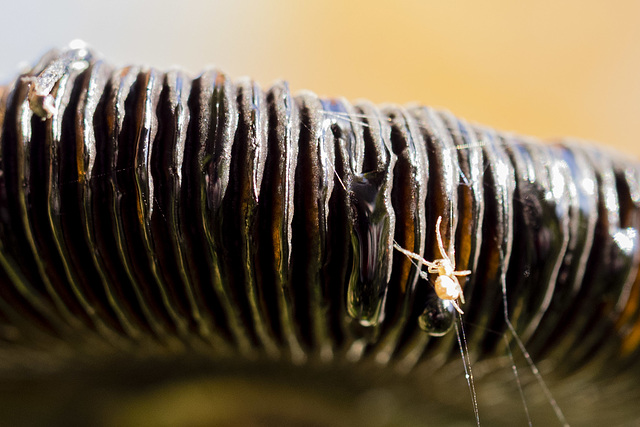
x: 151, y: 213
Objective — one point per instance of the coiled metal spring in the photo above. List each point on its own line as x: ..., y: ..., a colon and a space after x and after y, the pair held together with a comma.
x: 151, y: 211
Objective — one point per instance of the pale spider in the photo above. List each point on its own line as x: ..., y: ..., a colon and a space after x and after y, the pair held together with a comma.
x: 447, y: 285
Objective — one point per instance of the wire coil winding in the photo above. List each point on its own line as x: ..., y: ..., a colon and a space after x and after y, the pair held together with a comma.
x: 154, y: 210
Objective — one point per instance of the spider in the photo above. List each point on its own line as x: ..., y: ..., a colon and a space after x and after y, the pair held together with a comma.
x: 447, y: 285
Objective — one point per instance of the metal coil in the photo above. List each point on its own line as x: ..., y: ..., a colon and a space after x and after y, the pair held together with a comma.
x: 148, y: 211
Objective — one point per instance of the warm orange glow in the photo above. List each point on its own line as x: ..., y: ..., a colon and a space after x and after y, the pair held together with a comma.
x: 541, y: 68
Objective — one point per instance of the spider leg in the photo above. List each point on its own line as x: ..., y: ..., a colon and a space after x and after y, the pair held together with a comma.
x: 462, y: 296
x: 431, y: 265
x: 410, y: 254
x: 440, y: 244
x: 460, y: 292
x: 462, y: 273
x: 457, y: 307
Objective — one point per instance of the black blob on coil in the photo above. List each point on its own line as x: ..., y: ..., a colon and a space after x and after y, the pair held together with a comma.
x: 150, y: 210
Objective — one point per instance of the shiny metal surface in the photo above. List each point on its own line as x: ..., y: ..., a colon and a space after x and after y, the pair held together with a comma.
x: 149, y: 215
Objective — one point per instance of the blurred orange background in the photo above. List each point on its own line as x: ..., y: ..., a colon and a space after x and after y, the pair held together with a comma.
x: 543, y: 68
